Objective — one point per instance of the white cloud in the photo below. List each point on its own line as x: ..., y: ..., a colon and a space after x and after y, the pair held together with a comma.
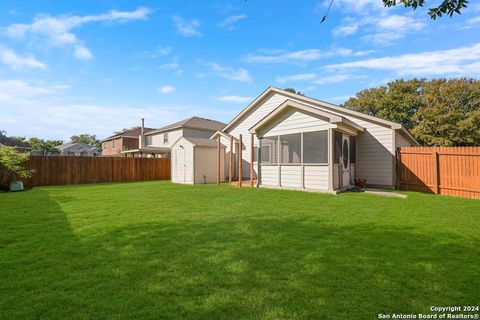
x: 229, y: 22
x: 464, y: 61
x: 346, y: 30
x: 332, y: 79
x: 302, y: 56
x: 57, y: 31
x: 15, y: 92
x: 234, y: 99
x: 187, y: 28
x: 166, y: 89
x: 82, y: 53
x: 239, y: 74
x: 17, y: 62
x: 393, y: 27
x: 47, y: 111
x: 297, y: 77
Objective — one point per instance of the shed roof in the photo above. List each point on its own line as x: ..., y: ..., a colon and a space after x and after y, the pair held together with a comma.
x: 192, y: 123
x: 202, y: 142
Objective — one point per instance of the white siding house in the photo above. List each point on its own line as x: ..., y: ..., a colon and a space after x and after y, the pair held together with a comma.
x: 194, y: 161
x: 303, y: 143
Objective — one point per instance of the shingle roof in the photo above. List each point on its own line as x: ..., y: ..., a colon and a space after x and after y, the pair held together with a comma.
x: 134, y: 132
x: 9, y: 142
x: 193, y: 123
x: 202, y: 142
x: 69, y: 144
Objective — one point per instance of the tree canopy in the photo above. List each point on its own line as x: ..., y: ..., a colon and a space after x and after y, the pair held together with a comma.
x: 87, y: 138
x: 447, y: 7
x: 437, y: 112
x: 46, y: 146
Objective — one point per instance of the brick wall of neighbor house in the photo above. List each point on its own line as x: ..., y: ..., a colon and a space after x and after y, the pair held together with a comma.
x: 109, y: 148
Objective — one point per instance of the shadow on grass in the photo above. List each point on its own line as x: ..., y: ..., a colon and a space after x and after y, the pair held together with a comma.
x: 239, y: 268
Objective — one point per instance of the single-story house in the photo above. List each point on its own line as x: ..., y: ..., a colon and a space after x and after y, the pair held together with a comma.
x: 193, y: 160
x: 123, y: 141
x: 21, y: 146
x: 288, y: 140
x: 160, y: 141
x: 78, y: 149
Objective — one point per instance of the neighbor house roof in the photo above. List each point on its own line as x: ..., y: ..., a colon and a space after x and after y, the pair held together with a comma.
x: 192, y: 123
x: 131, y: 133
x: 315, y: 102
x: 9, y: 142
x: 76, y: 144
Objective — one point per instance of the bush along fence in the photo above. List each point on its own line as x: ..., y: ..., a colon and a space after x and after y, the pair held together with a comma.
x: 60, y: 170
x: 451, y: 171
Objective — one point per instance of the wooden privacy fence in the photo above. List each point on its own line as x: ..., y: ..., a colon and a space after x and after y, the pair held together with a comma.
x: 58, y: 170
x: 451, y: 171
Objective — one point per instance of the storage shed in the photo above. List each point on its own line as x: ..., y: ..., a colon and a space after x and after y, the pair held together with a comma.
x: 195, y: 160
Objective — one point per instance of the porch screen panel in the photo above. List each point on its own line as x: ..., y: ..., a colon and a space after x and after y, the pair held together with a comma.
x: 290, y: 148
x: 337, y: 147
x: 315, y: 147
x: 269, y: 150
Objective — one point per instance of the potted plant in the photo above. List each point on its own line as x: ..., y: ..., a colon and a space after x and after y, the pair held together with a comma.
x: 11, y: 168
x: 361, y: 182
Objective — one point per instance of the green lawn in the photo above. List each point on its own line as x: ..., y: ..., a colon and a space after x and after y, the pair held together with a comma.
x: 155, y: 250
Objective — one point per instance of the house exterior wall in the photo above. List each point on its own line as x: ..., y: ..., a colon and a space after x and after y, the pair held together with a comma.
x: 269, y: 104
x: 173, y: 136
x: 121, y: 144
x: 206, y: 165
x: 77, y: 151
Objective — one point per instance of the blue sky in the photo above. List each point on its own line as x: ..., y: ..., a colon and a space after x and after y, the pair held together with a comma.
x: 69, y: 67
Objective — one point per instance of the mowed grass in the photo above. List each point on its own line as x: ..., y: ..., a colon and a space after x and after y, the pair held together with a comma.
x: 156, y: 250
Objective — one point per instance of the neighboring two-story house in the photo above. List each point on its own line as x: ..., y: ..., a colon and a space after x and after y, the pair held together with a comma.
x: 124, y: 141
x: 159, y: 142
x: 78, y: 149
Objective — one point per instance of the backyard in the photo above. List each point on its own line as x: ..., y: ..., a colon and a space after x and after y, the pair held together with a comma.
x: 155, y: 250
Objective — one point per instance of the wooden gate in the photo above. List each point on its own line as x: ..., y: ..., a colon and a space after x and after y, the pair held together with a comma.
x: 451, y: 171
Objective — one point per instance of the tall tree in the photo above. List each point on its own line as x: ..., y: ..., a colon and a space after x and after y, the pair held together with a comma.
x: 87, y: 138
x: 437, y: 112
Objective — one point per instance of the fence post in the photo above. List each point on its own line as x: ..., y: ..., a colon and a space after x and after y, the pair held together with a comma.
x: 436, y: 172
x: 398, y: 164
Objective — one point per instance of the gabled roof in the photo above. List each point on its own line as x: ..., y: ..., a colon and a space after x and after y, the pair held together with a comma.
x: 133, y: 133
x: 192, y: 123
x: 9, y: 142
x: 223, y: 134
x: 289, y: 104
x: 315, y: 102
x: 76, y: 144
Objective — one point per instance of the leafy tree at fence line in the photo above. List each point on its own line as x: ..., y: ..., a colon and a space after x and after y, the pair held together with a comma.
x: 437, y: 112
x: 11, y: 165
x: 46, y: 146
x: 87, y: 138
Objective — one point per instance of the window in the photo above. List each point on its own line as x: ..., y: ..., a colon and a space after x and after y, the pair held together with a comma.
x: 113, y: 144
x: 165, y: 138
x: 148, y: 140
x: 337, y: 147
x: 315, y: 147
x: 353, y: 149
x: 104, y: 146
x: 290, y: 148
x: 269, y: 150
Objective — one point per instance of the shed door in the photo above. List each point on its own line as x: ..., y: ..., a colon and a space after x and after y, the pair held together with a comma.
x: 346, y: 160
x: 180, y: 164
